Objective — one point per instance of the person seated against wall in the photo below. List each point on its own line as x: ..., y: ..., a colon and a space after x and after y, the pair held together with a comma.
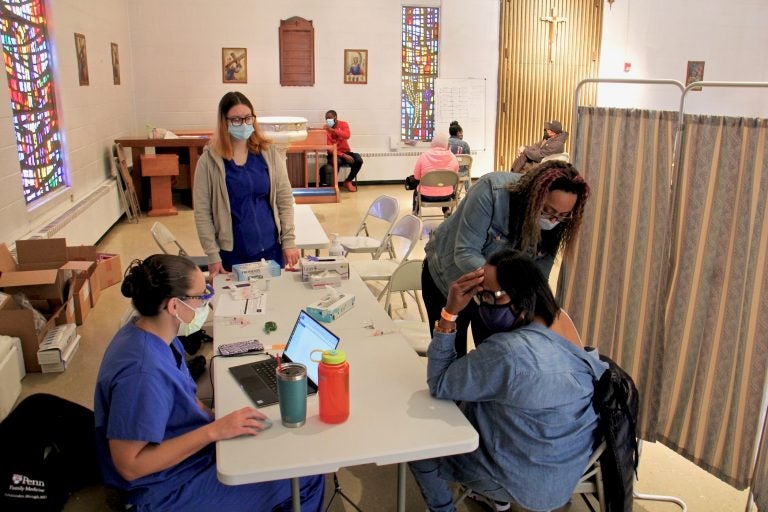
x: 155, y: 439
x: 437, y: 157
x: 552, y: 143
x: 526, y: 390
x: 338, y: 133
x: 457, y: 146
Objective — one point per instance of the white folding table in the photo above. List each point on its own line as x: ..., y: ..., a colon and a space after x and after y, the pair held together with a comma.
x: 309, y: 232
x: 393, y: 419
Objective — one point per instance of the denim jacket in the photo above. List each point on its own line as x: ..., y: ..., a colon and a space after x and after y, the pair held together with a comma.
x: 478, y: 228
x: 529, y: 395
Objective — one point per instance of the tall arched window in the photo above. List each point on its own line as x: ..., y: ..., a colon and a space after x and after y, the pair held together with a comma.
x: 420, y: 51
x: 28, y: 62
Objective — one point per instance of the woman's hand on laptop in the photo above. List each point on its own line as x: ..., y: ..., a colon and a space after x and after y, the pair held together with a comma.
x: 246, y: 421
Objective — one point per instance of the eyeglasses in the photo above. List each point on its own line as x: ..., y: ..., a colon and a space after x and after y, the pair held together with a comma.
x: 488, y: 297
x: 554, y: 215
x: 238, y: 121
x: 205, y: 298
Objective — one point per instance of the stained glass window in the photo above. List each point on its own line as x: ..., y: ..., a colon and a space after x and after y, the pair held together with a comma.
x: 420, y: 51
x: 28, y: 62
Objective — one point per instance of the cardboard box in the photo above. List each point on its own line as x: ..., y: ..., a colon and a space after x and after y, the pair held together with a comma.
x: 37, y: 285
x: 84, y: 270
x: 20, y: 324
x: 312, y: 265
x: 109, y: 269
x: 41, y: 254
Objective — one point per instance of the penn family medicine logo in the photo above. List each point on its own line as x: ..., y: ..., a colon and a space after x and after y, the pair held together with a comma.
x: 24, y: 483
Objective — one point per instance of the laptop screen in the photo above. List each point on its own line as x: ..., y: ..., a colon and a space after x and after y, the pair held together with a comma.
x: 308, y: 335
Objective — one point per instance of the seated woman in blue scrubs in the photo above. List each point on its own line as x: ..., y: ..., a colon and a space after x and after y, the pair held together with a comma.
x: 155, y: 439
x: 526, y: 389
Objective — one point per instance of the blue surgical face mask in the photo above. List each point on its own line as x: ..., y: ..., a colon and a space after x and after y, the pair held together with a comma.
x: 330, y: 122
x: 241, y: 132
x: 546, y: 224
x: 498, y: 318
x: 201, y: 315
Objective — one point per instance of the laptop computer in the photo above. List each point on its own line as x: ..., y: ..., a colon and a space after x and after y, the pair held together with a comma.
x: 259, y: 380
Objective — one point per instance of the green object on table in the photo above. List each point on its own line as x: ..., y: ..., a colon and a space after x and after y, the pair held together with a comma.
x: 270, y: 327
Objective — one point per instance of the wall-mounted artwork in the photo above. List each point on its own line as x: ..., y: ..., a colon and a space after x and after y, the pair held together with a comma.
x: 355, y: 66
x: 115, y: 64
x: 234, y: 65
x: 695, y: 73
x: 82, y: 59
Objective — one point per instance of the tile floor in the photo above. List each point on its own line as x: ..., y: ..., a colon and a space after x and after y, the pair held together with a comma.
x: 371, y: 487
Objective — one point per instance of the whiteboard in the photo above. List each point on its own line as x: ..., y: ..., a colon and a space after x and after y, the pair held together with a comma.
x: 462, y: 100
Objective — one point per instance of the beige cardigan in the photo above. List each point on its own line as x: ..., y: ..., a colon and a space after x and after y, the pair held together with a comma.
x: 213, y: 216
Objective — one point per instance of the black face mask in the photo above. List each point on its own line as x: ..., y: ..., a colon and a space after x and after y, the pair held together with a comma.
x: 546, y: 134
x: 499, y: 318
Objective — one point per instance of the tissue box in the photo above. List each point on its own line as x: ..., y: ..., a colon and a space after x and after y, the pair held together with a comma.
x: 313, y: 265
x: 323, y: 279
x: 331, y: 307
x: 256, y: 270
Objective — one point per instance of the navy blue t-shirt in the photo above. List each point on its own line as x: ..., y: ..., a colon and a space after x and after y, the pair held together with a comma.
x: 253, y: 223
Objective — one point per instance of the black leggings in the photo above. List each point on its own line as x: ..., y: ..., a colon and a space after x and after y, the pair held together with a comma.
x: 435, y: 301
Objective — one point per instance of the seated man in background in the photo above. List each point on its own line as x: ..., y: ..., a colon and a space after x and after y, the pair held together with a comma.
x: 552, y: 143
x: 437, y: 157
x: 338, y: 133
x: 526, y: 390
x: 458, y: 146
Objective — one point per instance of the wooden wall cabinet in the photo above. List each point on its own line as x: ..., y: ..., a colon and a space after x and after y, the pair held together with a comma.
x: 297, y: 52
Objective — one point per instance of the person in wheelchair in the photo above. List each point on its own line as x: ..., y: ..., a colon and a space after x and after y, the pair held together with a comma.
x: 526, y: 389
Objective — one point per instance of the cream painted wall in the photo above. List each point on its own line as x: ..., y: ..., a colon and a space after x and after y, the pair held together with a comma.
x: 91, y: 117
x: 658, y: 37
x: 182, y: 88
x: 170, y: 60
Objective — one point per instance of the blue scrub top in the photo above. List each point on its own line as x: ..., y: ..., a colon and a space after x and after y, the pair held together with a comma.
x: 144, y: 393
x: 253, y: 222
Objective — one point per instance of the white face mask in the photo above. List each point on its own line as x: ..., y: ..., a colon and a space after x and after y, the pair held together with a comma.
x: 201, y: 315
x: 330, y: 122
x: 546, y: 224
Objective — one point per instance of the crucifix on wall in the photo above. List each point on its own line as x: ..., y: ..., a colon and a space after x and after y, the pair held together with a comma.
x: 553, y: 21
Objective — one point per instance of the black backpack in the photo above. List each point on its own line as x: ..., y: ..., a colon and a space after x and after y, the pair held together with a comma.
x: 617, y: 402
x: 48, y: 448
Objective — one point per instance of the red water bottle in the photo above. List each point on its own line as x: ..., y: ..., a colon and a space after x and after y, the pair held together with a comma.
x: 333, y: 386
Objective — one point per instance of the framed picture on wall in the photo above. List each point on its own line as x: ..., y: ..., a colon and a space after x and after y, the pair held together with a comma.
x: 234, y: 65
x: 694, y: 73
x: 82, y: 59
x: 355, y: 66
x: 115, y: 64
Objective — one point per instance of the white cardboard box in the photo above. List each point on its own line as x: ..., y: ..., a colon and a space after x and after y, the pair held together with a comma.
x: 313, y: 265
x: 331, y: 307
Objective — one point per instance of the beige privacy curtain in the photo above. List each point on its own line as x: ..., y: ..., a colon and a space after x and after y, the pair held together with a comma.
x: 672, y: 282
x: 613, y: 285
x: 716, y: 320
x: 760, y: 477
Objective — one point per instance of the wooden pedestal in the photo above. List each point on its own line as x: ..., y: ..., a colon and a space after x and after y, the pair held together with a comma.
x: 160, y: 169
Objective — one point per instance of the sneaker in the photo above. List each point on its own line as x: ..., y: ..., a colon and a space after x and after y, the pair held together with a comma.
x: 350, y: 186
x: 498, y: 506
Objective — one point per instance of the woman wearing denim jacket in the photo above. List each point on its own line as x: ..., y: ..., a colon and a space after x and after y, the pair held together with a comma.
x: 526, y: 390
x: 538, y: 213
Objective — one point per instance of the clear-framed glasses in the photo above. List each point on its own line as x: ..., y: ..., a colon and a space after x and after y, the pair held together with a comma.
x: 205, y: 298
x: 554, y: 215
x: 488, y: 297
x: 238, y: 121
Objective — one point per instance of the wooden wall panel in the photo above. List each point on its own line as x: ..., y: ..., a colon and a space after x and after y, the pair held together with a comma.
x: 532, y: 88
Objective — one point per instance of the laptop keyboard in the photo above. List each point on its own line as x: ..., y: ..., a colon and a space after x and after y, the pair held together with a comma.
x: 267, y: 370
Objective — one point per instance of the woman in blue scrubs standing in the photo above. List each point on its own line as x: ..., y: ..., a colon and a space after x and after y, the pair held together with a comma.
x: 243, y: 197
x: 155, y: 439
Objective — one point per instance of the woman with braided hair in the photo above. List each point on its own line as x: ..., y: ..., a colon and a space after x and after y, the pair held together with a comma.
x: 538, y: 213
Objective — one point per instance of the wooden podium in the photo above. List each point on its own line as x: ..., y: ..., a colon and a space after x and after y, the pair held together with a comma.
x: 304, y: 194
x: 160, y: 169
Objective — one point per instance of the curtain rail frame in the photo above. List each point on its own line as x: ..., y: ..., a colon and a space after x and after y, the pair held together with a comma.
x: 676, y: 155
